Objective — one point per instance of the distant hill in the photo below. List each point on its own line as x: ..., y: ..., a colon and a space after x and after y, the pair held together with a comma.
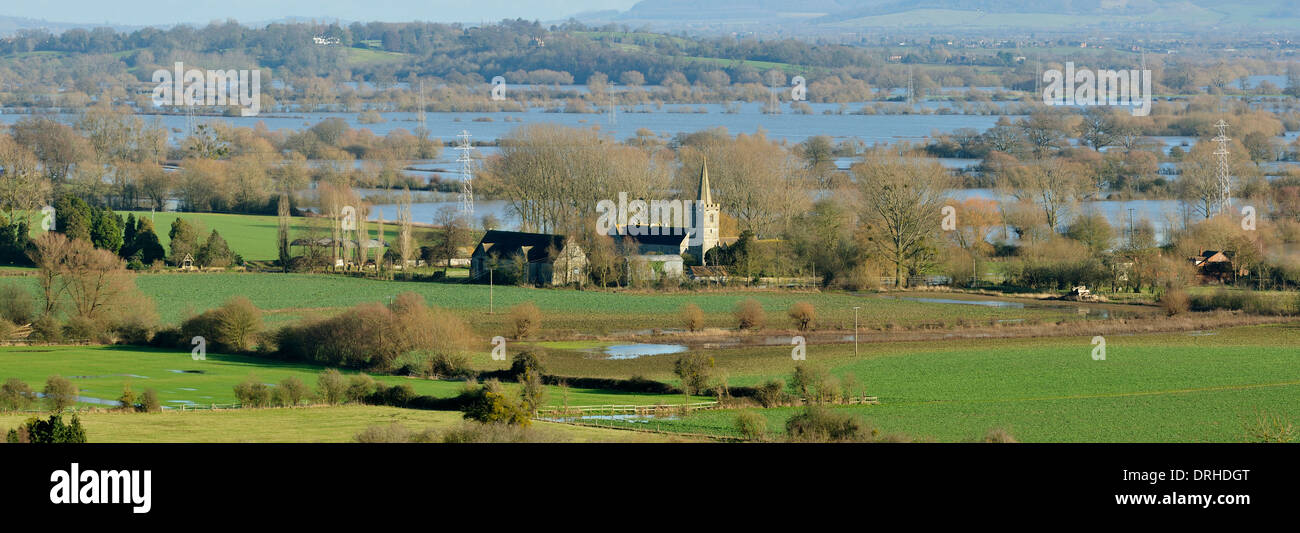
x: 11, y: 25
x: 971, y: 14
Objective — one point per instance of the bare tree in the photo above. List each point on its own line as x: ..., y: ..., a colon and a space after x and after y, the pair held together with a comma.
x: 405, y: 246
x: 22, y: 187
x: 1051, y: 184
x: 902, y: 202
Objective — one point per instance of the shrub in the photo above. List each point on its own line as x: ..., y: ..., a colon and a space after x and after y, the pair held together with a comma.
x: 1270, y: 428
x: 52, y: 431
x: 524, y: 362
x: 47, y: 329
x: 149, y: 402
x: 493, y: 406
x: 772, y: 394
x: 693, y: 370
x: 83, y: 328
x: 133, y: 329
x: 818, y: 424
x: 526, y: 319
x: 59, y: 393
x: 450, y: 365
x: 374, y: 336
x: 393, y: 433
x: 813, y: 384
x: 7, y: 329
x: 127, y: 399
x: 253, y: 393
x: 331, y: 387
x: 290, y: 392
x: 692, y: 317
x: 751, y: 425
x: 802, y: 314
x: 360, y: 387
x: 999, y: 435
x: 238, y: 322
x: 532, y: 393
x: 15, y: 394
x: 399, y: 395
x: 17, y: 304
x: 749, y: 314
x: 480, y: 433
x: 1175, y: 301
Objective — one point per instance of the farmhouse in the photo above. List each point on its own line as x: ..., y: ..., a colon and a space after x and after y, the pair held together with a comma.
x: 550, y: 259
x: 1216, y: 265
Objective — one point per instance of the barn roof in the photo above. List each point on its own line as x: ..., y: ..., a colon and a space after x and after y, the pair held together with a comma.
x: 504, y: 244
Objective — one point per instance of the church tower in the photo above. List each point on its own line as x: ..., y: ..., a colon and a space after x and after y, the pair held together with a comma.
x: 706, y: 215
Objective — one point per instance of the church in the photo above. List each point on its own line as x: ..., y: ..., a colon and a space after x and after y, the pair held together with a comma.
x: 651, y: 250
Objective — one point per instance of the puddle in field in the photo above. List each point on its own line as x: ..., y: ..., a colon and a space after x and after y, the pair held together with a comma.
x: 1097, y: 312
x: 633, y: 351
x: 985, y: 303
x: 88, y: 399
x: 1200, y: 333
x: 188, y: 371
x: 186, y: 402
x: 186, y: 388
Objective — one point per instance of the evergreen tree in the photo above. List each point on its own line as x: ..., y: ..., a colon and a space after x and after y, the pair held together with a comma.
x: 128, y: 236
x: 73, y: 217
x: 215, y: 252
x: 146, y: 243
x: 185, y: 240
x: 106, y: 232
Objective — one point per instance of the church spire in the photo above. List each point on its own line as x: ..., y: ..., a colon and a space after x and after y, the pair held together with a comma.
x: 705, y: 197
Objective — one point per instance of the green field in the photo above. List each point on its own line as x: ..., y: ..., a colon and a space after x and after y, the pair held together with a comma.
x: 102, y: 371
x: 363, y: 56
x: 1167, y: 387
x: 251, y: 236
x: 315, y: 424
x: 564, y: 311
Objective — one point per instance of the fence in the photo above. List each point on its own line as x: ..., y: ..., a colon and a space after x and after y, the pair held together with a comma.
x: 635, y: 410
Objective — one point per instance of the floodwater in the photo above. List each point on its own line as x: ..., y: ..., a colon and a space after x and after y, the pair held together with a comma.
x: 633, y: 351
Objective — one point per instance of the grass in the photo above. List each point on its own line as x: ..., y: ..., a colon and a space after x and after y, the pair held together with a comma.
x: 1165, y: 387
x: 252, y: 236
x: 317, y: 424
x: 102, y: 372
x: 288, y: 296
x: 364, y: 56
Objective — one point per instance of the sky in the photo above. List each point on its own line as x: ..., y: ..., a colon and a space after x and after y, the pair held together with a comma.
x: 162, y: 12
